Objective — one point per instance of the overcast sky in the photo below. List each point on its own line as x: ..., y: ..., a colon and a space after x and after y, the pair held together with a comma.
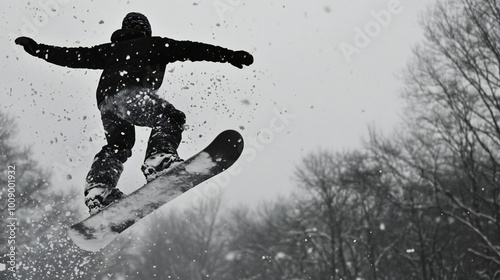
x: 323, y: 72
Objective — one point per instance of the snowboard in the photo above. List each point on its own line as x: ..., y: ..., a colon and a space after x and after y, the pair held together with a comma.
x: 98, y: 230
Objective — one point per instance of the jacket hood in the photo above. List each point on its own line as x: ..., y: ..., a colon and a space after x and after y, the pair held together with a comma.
x: 134, y: 25
x: 137, y: 21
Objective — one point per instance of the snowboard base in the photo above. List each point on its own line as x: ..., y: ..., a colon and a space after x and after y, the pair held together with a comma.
x: 98, y: 230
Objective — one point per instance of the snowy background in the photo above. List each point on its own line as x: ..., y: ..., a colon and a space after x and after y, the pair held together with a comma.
x: 324, y: 72
x: 299, y: 67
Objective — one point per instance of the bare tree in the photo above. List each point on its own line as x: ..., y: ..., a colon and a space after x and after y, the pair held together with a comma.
x: 277, y: 241
x: 351, y: 203
x: 37, y: 215
x: 320, y: 176
x: 341, y: 223
x: 447, y: 162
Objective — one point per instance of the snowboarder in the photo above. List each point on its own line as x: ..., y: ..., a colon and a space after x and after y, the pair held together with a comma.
x: 133, y: 67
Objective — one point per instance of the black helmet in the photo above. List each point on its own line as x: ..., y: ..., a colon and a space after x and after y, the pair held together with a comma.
x: 137, y: 21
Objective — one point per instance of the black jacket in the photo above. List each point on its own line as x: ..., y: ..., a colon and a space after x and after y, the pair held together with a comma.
x: 132, y: 59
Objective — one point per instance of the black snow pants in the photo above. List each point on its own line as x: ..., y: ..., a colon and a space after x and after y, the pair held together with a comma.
x: 120, y: 113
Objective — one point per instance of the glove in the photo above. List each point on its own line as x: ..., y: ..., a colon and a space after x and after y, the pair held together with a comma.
x: 30, y: 46
x: 240, y: 58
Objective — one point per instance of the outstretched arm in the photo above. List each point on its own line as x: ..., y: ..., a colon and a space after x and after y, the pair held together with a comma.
x: 91, y: 58
x: 195, y: 51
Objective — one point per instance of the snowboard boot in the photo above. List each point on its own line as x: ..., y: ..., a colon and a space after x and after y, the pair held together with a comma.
x: 158, y: 164
x: 99, y: 197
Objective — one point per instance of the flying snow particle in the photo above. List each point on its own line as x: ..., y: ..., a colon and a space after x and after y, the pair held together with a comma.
x: 280, y: 255
x: 230, y: 256
x: 86, y: 260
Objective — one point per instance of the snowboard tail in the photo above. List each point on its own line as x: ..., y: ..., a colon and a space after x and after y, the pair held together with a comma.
x: 98, y: 230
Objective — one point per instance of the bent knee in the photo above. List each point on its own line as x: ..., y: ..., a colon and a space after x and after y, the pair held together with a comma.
x: 176, y: 117
x: 180, y: 118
